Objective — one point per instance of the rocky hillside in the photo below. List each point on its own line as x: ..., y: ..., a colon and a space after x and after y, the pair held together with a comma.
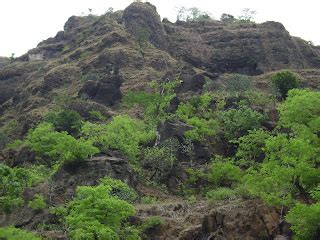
x: 98, y: 60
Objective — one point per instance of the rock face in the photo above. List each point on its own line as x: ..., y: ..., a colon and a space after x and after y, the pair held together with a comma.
x: 241, y: 219
x: 4, y: 61
x: 248, y: 48
x: 142, y: 19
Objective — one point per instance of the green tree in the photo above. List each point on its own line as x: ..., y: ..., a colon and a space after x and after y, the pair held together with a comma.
x: 38, y: 203
x: 65, y: 120
x: 12, y: 233
x: 237, y: 122
x: 250, y: 150
x: 284, y: 81
x: 305, y: 220
x: 51, y: 146
x: 96, y: 213
x: 122, y: 133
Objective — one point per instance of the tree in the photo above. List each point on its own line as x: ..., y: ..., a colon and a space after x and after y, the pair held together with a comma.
x: 12, y: 233
x: 122, y: 133
x: 227, y: 18
x: 247, y: 15
x: 284, y: 81
x: 51, y: 146
x: 193, y: 15
x: 237, y: 122
x: 65, y: 120
x: 96, y: 213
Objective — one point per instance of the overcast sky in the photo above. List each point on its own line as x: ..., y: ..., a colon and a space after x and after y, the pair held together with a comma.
x: 24, y: 23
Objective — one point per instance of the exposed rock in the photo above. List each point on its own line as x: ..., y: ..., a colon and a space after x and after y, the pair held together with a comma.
x: 239, y: 219
x: 4, y: 61
x: 60, y: 76
x: 106, y: 91
x: 139, y: 17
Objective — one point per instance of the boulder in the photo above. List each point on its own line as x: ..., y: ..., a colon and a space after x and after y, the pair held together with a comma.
x: 142, y: 18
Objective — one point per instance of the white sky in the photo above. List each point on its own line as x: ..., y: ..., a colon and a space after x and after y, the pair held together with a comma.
x: 24, y: 23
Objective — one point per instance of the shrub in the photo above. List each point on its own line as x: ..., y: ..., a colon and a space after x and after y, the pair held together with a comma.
x: 65, y: 120
x: 95, y: 213
x: 221, y: 194
x: 58, y: 146
x: 151, y: 223
x: 237, y: 83
x: 224, y: 174
x: 37, y: 203
x: 122, y: 133
x: 193, y: 15
x: 155, y: 103
x: 250, y: 148
x: 12, y: 233
x: 198, y: 114
x: 301, y: 112
x: 119, y: 189
x: 161, y: 159
x: 12, y: 183
x: 305, y: 220
x: 237, y: 122
x: 149, y: 200
x: 284, y: 81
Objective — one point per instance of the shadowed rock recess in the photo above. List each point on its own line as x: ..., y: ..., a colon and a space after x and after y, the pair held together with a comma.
x: 96, y: 60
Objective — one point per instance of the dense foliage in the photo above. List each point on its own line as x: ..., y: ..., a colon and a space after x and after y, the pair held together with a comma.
x: 284, y: 81
x: 52, y: 146
x: 122, y: 133
x: 12, y: 233
x: 99, y: 213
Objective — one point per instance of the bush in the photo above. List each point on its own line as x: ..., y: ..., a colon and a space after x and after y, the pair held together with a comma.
x: 58, y: 146
x: 12, y: 233
x: 224, y: 174
x: 161, y: 159
x: 237, y: 83
x: 151, y: 223
x: 197, y: 113
x: 284, y: 81
x: 95, y: 213
x: 193, y: 15
x: 237, y: 122
x: 221, y: 194
x: 155, y: 103
x: 250, y: 148
x: 119, y: 189
x: 12, y: 183
x: 37, y: 203
x: 301, y: 112
x: 122, y: 133
x: 305, y: 221
x: 65, y: 120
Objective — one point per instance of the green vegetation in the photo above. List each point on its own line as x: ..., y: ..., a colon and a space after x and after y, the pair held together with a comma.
x: 237, y: 122
x: 305, y: 221
x: 122, y: 133
x: 161, y: 159
x: 197, y: 113
x: 284, y: 81
x: 155, y: 103
x: 51, y: 146
x: 37, y: 203
x: 193, y: 15
x: 97, y: 213
x: 65, y: 120
x: 12, y: 233
x: 12, y: 183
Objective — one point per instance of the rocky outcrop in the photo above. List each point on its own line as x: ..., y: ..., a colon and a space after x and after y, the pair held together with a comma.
x: 239, y: 219
x: 4, y: 61
x: 143, y: 21
x: 246, y: 48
